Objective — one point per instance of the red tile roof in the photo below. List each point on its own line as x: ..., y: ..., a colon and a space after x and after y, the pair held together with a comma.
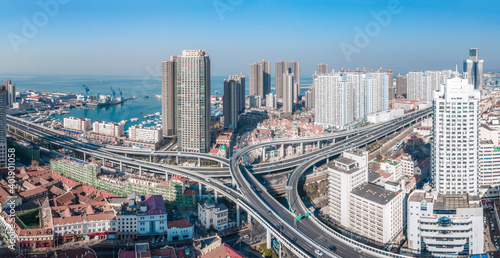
x: 181, y: 223
x: 224, y: 250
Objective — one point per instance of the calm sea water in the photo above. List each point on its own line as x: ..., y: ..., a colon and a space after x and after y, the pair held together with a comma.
x: 101, y: 84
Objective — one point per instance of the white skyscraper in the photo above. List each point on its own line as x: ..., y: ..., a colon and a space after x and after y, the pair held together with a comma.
x: 193, y: 101
x: 456, y: 138
x: 288, y: 92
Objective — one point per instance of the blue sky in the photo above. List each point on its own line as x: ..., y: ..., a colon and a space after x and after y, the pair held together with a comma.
x: 132, y: 37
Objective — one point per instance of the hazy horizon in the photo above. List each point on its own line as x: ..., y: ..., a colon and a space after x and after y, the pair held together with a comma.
x: 132, y: 38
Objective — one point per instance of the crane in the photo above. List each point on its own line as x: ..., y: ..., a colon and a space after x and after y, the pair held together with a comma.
x: 86, y: 92
x: 120, y: 93
x: 113, y: 92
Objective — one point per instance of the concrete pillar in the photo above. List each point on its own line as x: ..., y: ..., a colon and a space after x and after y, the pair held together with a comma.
x: 177, y: 160
x: 282, y: 151
x: 249, y: 218
x: 125, y: 154
x: 221, y: 165
x: 269, y: 239
x: 103, y: 162
x: 200, y: 191
x: 140, y: 170
x: 215, y: 193
x: 121, y: 166
x: 318, y: 145
x: 237, y: 214
x: 64, y: 151
x: 84, y: 156
x: 150, y: 158
x: 245, y: 159
x: 301, y: 147
x: 263, y: 158
x: 199, y: 162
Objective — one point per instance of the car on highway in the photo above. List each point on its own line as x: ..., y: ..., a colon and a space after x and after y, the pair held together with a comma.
x: 318, y: 252
x: 333, y: 248
x: 357, y: 250
x: 228, y: 191
x: 207, y: 179
x: 270, y: 212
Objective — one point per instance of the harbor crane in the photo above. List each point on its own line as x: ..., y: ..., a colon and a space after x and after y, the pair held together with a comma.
x: 120, y: 91
x: 113, y: 92
x: 86, y: 92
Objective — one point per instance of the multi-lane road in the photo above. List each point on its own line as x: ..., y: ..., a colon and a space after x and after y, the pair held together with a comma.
x: 304, y: 237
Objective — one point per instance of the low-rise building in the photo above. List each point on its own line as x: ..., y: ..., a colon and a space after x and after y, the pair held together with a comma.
x: 376, y: 212
x: 107, y: 129
x: 77, y: 124
x: 444, y: 224
x: 144, y: 134
x: 179, y: 230
x: 213, y: 215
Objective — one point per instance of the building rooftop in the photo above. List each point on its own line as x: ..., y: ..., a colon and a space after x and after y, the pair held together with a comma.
x: 454, y: 201
x: 345, y: 161
x: 374, y: 193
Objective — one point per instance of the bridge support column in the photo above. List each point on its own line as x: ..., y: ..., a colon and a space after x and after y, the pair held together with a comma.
x: 215, y: 194
x: 150, y: 159
x: 301, y: 147
x: 84, y: 156
x: 177, y: 160
x: 121, y: 166
x: 140, y: 170
x: 50, y: 146
x: 249, y: 218
x: 103, y: 162
x: 199, y: 162
x: 64, y: 151
x: 263, y: 158
x: 318, y: 145
x: 245, y: 159
x: 200, y: 191
x: 282, y: 151
x: 237, y: 215
x: 268, y: 243
x: 221, y: 165
x: 125, y: 154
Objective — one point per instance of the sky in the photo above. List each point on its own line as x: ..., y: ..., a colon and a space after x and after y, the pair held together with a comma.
x: 133, y: 37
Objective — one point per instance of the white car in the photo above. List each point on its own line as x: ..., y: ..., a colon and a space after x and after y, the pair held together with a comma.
x: 358, y: 250
x: 207, y: 179
x: 318, y: 252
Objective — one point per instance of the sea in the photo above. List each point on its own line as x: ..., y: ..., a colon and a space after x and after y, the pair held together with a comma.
x: 130, y: 86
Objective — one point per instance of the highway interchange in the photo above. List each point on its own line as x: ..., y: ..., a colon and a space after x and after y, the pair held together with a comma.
x: 303, y: 238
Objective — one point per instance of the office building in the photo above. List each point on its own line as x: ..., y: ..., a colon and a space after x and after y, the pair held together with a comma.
x: 233, y: 100
x: 440, y: 225
x: 401, y: 86
x: 322, y: 68
x: 455, y: 144
x: 77, y: 124
x: 193, y: 101
x: 343, y: 97
x: 169, y: 96
x: 473, y: 69
x: 11, y: 94
x: 281, y: 67
x: 294, y: 68
x: 260, y: 78
x: 372, y: 211
x: 144, y: 134
x: 271, y: 101
x: 489, y: 160
x: 346, y: 173
x: 377, y: 212
x: 421, y: 85
x: 3, y: 127
x: 288, y: 92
